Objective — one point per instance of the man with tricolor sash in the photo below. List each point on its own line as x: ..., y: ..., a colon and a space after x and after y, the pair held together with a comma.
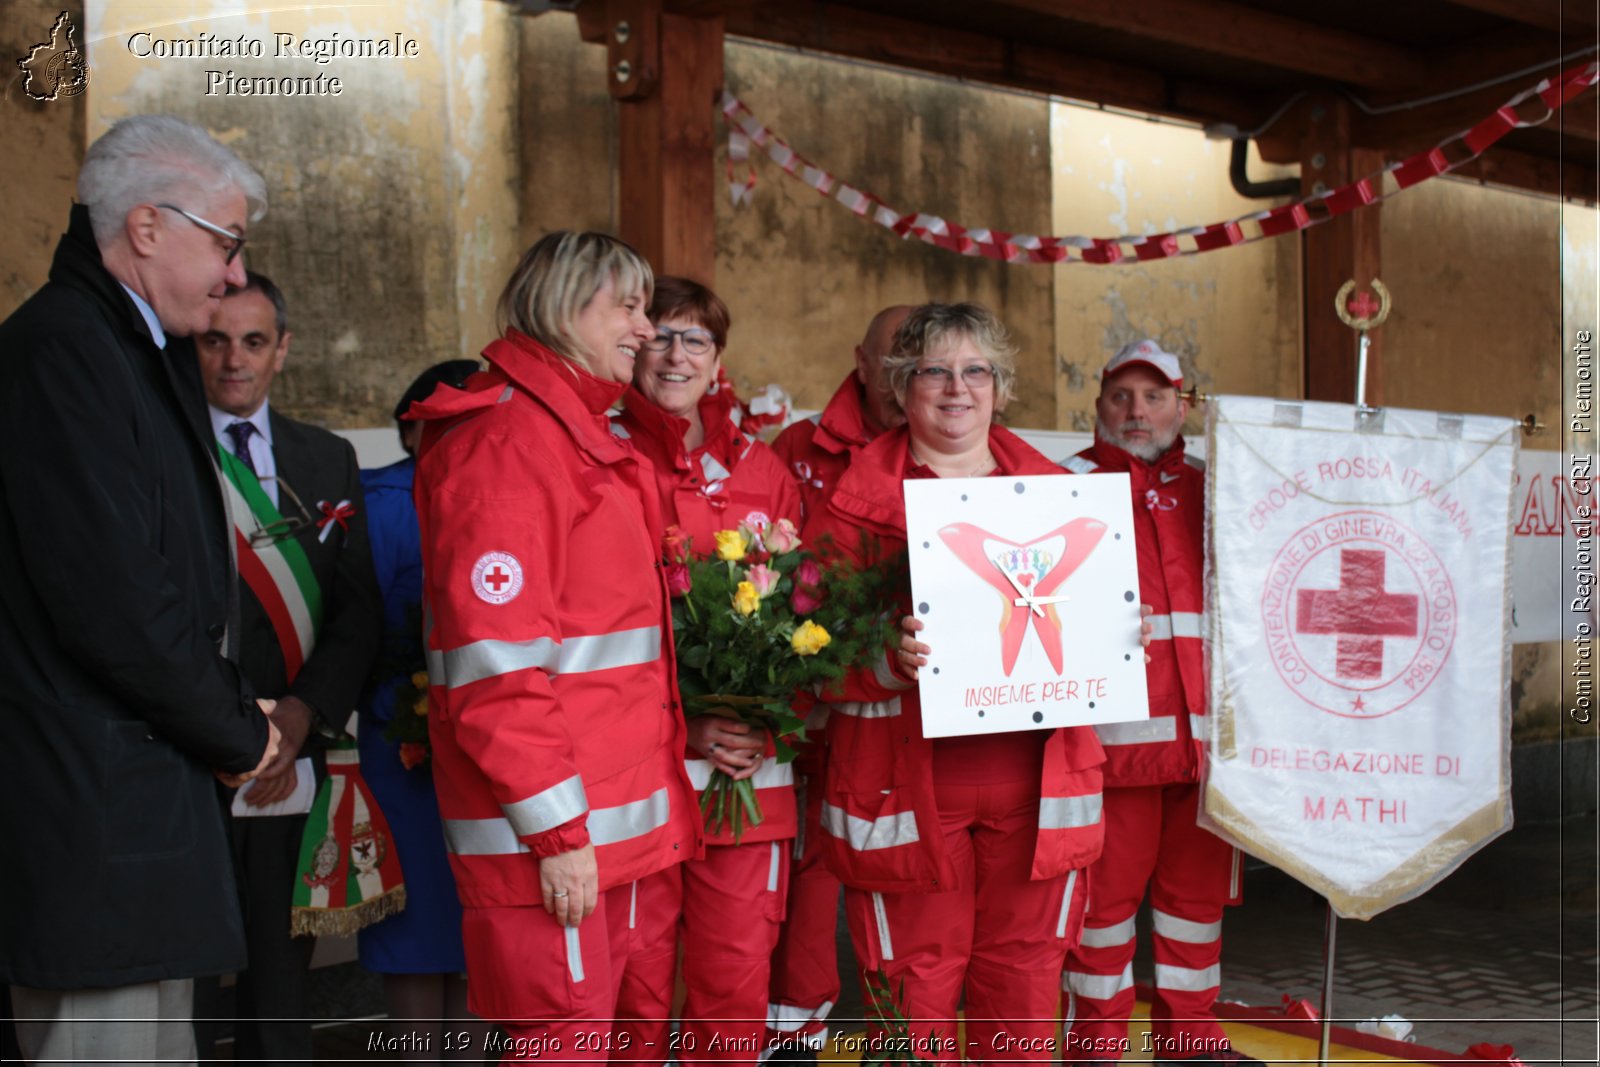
x: 309, y: 623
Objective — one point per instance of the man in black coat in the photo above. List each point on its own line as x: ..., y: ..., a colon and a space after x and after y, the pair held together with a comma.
x: 304, y: 490
x: 116, y: 588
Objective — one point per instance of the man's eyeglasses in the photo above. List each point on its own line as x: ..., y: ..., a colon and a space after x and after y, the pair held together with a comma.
x: 287, y: 527
x: 695, y: 341
x: 976, y: 375
x: 221, y: 231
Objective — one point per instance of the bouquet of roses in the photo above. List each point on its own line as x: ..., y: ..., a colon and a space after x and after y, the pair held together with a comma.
x: 758, y: 622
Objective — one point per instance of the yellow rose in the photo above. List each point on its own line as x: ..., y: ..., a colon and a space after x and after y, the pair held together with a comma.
x: 745, y: 599
x: 421, y: 707
x: 730, y: 546
x: 420, y: 680
x: 809, y: 639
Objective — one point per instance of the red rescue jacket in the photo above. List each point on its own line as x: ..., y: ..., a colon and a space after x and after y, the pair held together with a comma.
x: 550, y: 665
x: 731, y: 478
x: 819, y: 449
x: 879, y: 818
x: 1169, y: 498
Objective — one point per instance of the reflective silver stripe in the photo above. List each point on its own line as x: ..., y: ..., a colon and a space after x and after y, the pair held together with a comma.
x: 886, y: 676
x: 1110, y: 936
x: 1137, y: 732
x: 770, y: 774
x: 869, y: 835
x: 884, y: 944
x: 574, y: 954
x: 1176, y: 929
x: 1188, y: 979
x: 603, y: 652
x: 548, y: 809
x: 1069, y: 813
x: 775, y: 868
x: 1079, y: 465
x: 574, y: 655
x: 1199, y: 727
x: 506, y: 394
x: 869, y: 709
x: 620, y: 431
x: 787, y: 1018
x: 607, y: 826
x: 1194, y: 461
x: 481, y: 837
x: 1100, y: 986
x: 1177, y: 624
x: 1066, y: 904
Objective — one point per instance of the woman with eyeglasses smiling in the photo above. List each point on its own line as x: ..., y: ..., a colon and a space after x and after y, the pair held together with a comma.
x: 710, y: 477
x: 953, y: 881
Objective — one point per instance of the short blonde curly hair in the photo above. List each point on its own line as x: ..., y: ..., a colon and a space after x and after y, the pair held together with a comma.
x: 934, y: 327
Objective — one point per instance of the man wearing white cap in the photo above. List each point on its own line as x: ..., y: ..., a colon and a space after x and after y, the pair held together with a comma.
x: 1152, y: 768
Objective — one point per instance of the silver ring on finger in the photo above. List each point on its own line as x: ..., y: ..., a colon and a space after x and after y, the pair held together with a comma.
x: 559, y: 893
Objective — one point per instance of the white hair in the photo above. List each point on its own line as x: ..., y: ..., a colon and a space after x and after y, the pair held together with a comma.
x: 149, y: 159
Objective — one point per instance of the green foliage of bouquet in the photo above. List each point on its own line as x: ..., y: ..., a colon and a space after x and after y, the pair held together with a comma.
x: 758, y: 622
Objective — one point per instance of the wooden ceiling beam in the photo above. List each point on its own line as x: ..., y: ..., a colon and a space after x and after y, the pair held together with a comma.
x: 1537, y: 174
x: 1235, y: 31
x: 817, y: 25
x: 1546, y: 14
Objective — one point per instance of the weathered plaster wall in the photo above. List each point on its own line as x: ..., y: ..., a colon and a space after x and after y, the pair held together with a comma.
x: 44, y: 143
x: 1481, y: 280
x: 567, y: 131
x: 1232, y: 316
x: 803, y: 276
x: 393, y: 207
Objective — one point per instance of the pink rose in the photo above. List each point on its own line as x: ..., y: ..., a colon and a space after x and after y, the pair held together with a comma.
x: 764, y: 578
x: 678, y: 581
x: 802, y: 602
x: 783, y: 537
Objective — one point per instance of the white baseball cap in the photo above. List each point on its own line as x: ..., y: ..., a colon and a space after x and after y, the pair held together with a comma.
x: 1151, y: 355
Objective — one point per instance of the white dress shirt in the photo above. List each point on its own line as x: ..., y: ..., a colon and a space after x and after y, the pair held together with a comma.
x: 260, y: 444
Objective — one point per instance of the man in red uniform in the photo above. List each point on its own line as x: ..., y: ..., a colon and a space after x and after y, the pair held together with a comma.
x: 1152, y: 768
x: 805, y: 968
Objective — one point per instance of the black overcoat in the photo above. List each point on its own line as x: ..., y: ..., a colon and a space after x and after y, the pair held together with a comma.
x: 116, y: 701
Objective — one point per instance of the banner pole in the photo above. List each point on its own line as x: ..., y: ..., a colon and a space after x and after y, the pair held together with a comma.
x: 1327, y: 985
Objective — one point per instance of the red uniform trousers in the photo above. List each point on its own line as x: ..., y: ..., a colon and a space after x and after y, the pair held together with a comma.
x: 548, y: 983
x: 999, y: 934
x: 733, y: 902
x: 1152, y: 840
x: 805, y: 967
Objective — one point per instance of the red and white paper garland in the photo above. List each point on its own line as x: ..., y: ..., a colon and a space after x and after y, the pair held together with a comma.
x: 1542, y: 100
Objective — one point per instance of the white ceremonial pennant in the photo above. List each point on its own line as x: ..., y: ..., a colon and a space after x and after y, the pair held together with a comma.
x: 1028, y: 591
x: 1358, y: 571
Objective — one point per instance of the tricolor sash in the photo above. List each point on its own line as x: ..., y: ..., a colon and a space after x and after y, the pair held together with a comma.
x: 349, y: 875
x: 279, y: 574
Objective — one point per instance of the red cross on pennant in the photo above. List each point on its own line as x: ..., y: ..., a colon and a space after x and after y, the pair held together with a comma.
x: 497, y: 578
x: 1359, y: 612
x: 1363, y: 305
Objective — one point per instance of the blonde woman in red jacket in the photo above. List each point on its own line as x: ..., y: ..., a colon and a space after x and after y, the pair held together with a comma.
x: 557, y: 746
x: 710, y: 476
x: 964, y: 859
